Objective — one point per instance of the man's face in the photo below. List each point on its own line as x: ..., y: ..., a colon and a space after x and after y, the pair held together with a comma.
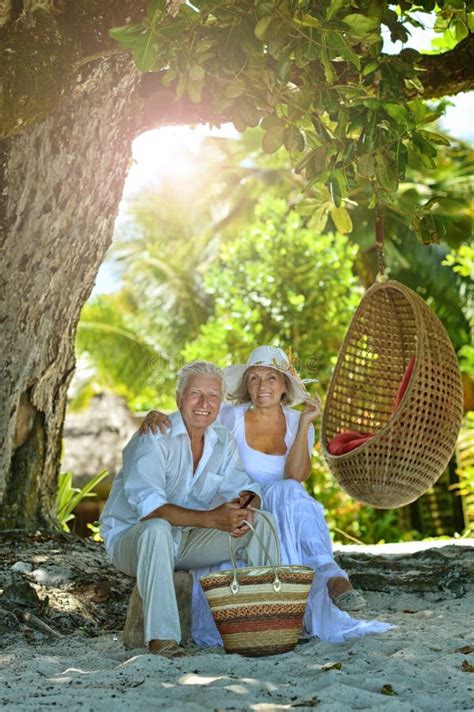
x: 200, y: 402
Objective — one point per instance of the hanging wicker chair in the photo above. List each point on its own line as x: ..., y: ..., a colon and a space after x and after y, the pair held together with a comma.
x: 410, y: 436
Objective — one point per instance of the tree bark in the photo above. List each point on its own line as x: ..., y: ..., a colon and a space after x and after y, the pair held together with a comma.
x: 449, y: 73
x: 61, y: 184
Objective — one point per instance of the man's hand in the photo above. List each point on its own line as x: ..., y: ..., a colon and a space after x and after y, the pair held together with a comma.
x: 248, y: 499
x: 229, y: 517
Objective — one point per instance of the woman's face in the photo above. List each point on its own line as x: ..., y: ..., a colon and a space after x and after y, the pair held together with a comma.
x: 266, y: 386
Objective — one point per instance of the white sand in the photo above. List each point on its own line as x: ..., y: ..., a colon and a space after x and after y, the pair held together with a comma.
x: 418, y: 659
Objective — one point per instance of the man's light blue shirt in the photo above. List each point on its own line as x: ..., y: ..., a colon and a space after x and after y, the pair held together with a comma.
x: 158, y: 469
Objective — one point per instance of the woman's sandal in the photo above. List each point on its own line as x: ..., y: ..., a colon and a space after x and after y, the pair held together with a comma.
x: 167, y: 649
x: 350, y: 601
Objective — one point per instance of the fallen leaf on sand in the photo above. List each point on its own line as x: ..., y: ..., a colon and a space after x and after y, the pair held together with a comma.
x: 467, y: 667
x: 331, y: 666
x: 312, y: 702
x: 465, y: 650
x: 388, y: 690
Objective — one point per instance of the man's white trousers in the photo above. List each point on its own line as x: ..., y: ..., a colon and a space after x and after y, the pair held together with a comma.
x: 146, y: 550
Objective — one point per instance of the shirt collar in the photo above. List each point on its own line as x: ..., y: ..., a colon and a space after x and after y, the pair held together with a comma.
x: 179, y: 428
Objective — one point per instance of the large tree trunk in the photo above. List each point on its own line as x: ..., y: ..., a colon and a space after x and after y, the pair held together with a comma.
x: 61, y: 183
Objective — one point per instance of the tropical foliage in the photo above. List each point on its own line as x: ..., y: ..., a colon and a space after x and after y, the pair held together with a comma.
x: 462, y: 263
x: 279, y: 283
x: 314, y: 76
x: 68, y: 497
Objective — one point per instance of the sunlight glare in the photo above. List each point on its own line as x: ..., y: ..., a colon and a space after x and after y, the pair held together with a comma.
x: 170, y: 155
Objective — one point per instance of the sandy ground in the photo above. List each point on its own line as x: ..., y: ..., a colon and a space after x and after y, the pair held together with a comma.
x: 425, y: 663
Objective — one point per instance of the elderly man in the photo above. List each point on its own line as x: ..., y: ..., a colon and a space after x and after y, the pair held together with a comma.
x: 176, y: 500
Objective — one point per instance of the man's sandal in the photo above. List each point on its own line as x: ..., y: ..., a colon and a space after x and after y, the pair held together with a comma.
x: 167, y: 649
x: 350, y: 601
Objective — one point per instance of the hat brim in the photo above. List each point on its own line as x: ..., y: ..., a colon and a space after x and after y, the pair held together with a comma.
x: 234, y: 374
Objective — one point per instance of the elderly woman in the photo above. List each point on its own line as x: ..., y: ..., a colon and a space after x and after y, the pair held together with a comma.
x: 275, y: 444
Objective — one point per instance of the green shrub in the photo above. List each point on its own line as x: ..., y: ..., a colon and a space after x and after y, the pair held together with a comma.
x: 68, y: 497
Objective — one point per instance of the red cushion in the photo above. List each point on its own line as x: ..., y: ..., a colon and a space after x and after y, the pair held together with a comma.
x: 405, y: 381
x: 350, y: 439
x: 347, y: 441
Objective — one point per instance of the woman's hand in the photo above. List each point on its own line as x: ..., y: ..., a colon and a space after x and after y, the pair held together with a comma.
x: 312, y: 409
x: 155, y: 420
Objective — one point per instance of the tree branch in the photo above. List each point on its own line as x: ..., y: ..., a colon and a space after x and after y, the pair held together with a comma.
x: 444, y: 74
x: 449, y: 73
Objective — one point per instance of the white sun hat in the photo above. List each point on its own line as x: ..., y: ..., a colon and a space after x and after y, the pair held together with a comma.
x: 268, y: 357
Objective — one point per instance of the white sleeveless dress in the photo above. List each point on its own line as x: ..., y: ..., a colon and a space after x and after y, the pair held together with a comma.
x: 304, y: 539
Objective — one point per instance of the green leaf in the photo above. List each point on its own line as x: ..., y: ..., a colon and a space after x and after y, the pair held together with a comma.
x: 319, y: 219
x: 366, y: 164
x: 235, y: 89
x: 197, y: 73
x: 273, y: 139
x: 128, y: 35
x: 361, y: 25
x: 144, y: 52
x: 284, y: 67
x: 435, y: 137
x: 327, y: 66
x: 168, y: 77
x: 194, y: 91
x: 239, y: 124
x: 68, y: 497
x: 338, y: 186
x: 370, y: 67
x: 334, y: 8
x: 248, y: 113
x: 402, y: 159
x: 262, y: 26
x: 398, y: 113
x: 386, y: 171
x: 424, y: 146
x: 341, y: 219
x: 460, y: 29
x: 308, y: 21
x: 269, y: 121
x: 294, y: 139
x: 414, y: 158
x: 303, y: 97
x: 308, y: 206
x: 154, y: 7
x: 340, y: 45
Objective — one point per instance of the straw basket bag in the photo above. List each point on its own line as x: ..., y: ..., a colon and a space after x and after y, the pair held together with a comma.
x: 259, y: 610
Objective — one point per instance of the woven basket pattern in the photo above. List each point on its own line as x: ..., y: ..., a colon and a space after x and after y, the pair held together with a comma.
x: 414, y: 442
x: 258, y: 620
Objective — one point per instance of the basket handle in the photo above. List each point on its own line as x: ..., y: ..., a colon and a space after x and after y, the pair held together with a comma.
x: 234, y: 586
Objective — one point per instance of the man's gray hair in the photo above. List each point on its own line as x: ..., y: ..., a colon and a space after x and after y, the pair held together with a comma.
x: 199, y: 368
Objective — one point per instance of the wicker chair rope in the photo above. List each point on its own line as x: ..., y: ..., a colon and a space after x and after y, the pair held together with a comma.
x: 413, y: 442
